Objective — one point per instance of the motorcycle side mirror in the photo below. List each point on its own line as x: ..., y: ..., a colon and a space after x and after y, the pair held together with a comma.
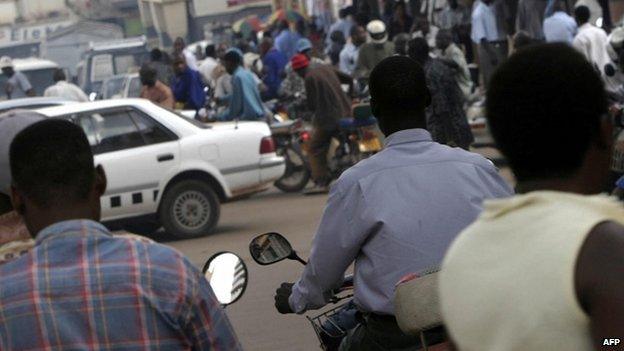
x: 227, y: 275
x: 271, y: 248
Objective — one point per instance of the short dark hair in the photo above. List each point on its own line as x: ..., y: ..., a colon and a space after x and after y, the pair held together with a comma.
x: 418, y: 50
x: 52, y: 163
x: 233, y: 57
x: 58, y: 75
x: 211, y: 51
x: 156, y: 54
x: 397, y: 85
x: 582, y: 14
x: 544, y: 107
x: 148, y: 73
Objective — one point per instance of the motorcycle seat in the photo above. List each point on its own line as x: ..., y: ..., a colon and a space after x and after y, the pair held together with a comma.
x: 352, y: 123
x: 282, y: 127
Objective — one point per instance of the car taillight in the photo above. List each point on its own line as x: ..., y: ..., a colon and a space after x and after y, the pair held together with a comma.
x: 267, y: 145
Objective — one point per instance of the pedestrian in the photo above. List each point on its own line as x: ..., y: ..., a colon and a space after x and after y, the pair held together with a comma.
x: 446, y: 118
x: 153, y: 89
x: 560, y: 27
x: 590, y: 40
x: 452, y: 53
x: 559, y: 231
x: 489, y: 37
x: 343, y: 24
x: 188, y: 88
x: 286, y: 40
x: 244, y: 102
x: 456, y: 18
x: 56, y: 189
x: 530, y: 17
x: 393, y: 213
x: 338, y: 42
x: 400, y: 44
x: 15, y: 79
x: 329, y: 104
x: 351, y: 50
x: 274, y: 62
x: 63, y: 89
x: 208, y: 65
x: 14, y: 236
x: 373, y: 52
x: 180, y: 49
x: 162, y: 64
x: 401, y: 22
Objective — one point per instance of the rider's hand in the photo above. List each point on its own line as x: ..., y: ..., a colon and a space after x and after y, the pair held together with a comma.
x: 281, y: 298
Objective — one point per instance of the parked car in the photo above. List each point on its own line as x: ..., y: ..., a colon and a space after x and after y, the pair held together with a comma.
x: 32, y: 103
x: 38, y: 71
x: 107, y: 59
x: 165, y: 169
x: 121, y: 86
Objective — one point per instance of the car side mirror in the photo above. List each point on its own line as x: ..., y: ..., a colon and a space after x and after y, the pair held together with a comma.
x: 271, y: 248
x: 227, y: 275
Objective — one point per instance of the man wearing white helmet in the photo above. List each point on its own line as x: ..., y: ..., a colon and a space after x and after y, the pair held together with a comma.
x: 373, y: 52
x: 14, y: 79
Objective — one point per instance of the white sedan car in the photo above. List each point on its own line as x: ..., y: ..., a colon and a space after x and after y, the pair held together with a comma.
x: 164, y: 169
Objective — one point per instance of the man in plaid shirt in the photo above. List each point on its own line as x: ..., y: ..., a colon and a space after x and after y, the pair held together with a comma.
x: 80, y: 288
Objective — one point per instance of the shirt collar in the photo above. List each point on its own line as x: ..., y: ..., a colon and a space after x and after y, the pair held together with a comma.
x: 408, y: 136
x: 76, y: 226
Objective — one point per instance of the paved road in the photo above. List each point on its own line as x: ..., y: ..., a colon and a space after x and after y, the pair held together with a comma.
x: 257, y: 324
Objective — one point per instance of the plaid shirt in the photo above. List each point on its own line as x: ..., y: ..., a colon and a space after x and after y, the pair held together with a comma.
x: 82, y: 289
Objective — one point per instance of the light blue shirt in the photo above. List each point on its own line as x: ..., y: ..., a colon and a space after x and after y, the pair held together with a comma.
x: 560, y: 27
x: 286, y: 42
x: 342, y: 25
x: 484, y: 24
x: 393, y: 214
x: 348, y: 58
x: 244, y: 102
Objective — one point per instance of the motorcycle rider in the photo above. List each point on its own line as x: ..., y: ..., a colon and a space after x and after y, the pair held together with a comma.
x: 394, y: 213
x: 542, y: 270
x: 329, y: 104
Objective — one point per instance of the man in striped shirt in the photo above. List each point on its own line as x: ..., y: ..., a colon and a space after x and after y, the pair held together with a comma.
x: 80, y: 288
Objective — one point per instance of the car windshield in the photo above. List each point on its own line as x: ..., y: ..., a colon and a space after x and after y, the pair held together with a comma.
x: 134, y: 90
x: 113, y: 87
x: 40, y: 80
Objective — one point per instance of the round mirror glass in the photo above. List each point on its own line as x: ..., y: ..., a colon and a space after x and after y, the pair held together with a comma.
x: 227, y: 275
x: 270, y: 248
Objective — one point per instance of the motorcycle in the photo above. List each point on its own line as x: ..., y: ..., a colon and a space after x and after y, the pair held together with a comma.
x: 330, y: 326
x: 357, y: 138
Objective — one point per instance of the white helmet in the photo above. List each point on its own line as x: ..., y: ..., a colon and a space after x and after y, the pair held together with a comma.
x: 5, y: 62
x: 377, y: 31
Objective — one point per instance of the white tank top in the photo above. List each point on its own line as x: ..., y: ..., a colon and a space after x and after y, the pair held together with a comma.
x: 507, y: 282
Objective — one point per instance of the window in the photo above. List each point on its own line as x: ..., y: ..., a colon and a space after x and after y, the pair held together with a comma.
x: 110, y: 131
x: 134, y: 90
x: 101, y: 67
x: 152, y: 132
x: 120, y: 129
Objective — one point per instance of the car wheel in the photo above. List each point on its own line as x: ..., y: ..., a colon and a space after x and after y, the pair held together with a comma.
x: 189, y: 209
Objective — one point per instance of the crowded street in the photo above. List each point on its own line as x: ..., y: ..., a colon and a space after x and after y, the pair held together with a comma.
x: 335, y: 175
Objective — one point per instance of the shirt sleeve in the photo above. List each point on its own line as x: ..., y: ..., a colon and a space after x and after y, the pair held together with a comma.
x: 337, y: 243
x: 23, y: 82
x: 236, y: 101
x: 207, y: 327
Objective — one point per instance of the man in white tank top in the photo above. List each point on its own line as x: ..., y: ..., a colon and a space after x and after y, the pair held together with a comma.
x: 543, y: 270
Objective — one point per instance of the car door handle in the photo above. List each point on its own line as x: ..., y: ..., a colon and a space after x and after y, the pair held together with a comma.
x: 165, y: 157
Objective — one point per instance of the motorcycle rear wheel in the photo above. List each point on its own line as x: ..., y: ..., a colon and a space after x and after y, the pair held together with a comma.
x: 297, y: 174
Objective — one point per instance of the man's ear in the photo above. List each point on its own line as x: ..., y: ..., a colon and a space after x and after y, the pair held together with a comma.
x: 100, y: 180
x: 605, y: 139
x: 17, y: 200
